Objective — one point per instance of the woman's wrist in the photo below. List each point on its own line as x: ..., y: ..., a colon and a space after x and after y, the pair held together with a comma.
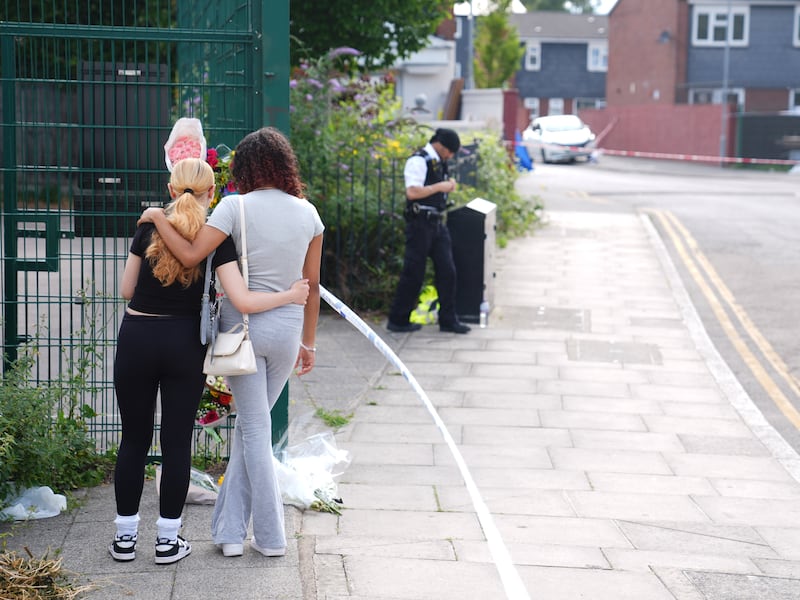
x: 311, y: 348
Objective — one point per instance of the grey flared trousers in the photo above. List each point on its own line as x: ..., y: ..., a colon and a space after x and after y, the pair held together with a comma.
x: 250, y: 489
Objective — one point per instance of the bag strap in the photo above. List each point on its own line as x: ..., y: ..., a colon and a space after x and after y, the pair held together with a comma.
x: 245, y: 268
x: 208, y: 283
x: 209, y: 274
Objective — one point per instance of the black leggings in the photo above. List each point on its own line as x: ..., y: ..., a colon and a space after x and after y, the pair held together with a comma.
x: 153, y: 352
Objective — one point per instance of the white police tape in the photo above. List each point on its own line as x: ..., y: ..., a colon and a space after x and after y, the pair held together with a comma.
x: 515, y: 589
x: 697, y: 157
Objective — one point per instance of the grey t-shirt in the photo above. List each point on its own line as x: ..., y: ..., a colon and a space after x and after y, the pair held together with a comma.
x: 279, y: 230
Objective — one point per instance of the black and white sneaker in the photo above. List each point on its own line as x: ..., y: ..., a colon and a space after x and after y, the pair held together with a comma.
x: 170, y: 551
x: 123, y: 548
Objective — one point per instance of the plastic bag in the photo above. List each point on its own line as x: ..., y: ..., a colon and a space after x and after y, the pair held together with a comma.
x: 427, y: 311
x: 34, y: 503
x: 202, y: 487
x: 307, y: 471
x: 186, y: 140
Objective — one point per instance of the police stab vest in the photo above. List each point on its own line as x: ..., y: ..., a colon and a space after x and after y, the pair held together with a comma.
x: 436, y: 172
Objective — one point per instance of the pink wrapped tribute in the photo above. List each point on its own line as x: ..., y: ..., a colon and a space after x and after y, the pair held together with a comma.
x: 186, y: 140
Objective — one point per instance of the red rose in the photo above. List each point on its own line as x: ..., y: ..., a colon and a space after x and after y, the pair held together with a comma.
x: 212, y: 158
x: 210, y: 417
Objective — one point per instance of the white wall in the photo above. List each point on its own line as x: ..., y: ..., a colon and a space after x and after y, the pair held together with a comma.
x: 428, y: 72
x: 483, y: 105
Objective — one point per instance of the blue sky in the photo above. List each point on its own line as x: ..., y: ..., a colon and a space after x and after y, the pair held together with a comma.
x: 605, y: 6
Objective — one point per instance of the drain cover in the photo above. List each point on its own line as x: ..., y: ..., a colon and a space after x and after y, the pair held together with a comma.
x: 562, y: 318
x: 613, y: 352
x: 729, y: 586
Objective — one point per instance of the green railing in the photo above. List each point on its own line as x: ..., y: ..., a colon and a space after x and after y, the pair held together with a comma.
x: 88, y: 97
x: 361, y: 201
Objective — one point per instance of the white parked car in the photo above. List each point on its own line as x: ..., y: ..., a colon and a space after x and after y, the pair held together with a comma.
x: 558, y: 138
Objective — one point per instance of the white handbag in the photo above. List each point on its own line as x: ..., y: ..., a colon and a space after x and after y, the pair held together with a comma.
x: 231, y: 352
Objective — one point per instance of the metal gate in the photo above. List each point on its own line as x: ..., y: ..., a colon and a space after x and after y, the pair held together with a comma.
x: 89, y: 95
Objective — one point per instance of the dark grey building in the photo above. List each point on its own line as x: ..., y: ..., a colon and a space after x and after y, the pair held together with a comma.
x: 565, y: 62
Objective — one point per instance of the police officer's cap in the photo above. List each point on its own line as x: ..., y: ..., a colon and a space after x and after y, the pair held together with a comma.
x: 447, y: 138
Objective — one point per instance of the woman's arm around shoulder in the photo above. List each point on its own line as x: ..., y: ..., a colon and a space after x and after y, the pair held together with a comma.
x: 247, y: 301
x: 190, y: 253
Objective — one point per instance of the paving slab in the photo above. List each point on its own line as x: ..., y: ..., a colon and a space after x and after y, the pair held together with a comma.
x: 645, y: 561
x: 729, y: 586
x: 508, y: 501
x: 698, y: 538
x: 409, y: 579
x: 597, y: 584
x: 636, y: 507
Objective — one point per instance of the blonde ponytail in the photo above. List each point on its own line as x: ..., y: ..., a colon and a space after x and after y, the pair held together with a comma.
x: 192, y: 178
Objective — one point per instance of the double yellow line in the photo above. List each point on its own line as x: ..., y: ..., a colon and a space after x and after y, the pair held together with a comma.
x: 719, y: 297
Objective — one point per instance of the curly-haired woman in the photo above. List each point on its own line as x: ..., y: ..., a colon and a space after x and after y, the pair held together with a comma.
x: 284, y: 243
x: 159, y: 347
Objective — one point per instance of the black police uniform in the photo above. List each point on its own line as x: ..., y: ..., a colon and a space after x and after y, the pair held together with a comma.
x: 427, y: 235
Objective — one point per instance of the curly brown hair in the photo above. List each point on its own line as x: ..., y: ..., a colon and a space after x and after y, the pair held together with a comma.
x: 265, y: 158
x: 191, y: 178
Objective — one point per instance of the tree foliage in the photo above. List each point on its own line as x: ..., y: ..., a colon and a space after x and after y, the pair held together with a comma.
x: 498, y: 51
x: 383, y: 30
x: 574, y: 6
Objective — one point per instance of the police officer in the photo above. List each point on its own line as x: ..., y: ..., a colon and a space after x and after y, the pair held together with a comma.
x: 427, y: 186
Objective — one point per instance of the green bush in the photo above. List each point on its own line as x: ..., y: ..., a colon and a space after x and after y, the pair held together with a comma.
x: 44, y: 438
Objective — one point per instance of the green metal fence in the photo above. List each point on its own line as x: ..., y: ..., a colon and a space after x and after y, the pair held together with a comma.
x: 89, y: 95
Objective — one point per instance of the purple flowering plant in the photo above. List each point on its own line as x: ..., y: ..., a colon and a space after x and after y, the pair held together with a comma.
x: 339, y: 117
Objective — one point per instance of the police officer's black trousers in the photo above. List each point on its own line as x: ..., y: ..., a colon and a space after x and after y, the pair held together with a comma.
x: 426, y: 238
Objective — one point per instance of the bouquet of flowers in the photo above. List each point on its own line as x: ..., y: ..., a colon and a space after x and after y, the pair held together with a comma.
x: 186, y: 140
x: 219, y: 159
x: 216, y: 402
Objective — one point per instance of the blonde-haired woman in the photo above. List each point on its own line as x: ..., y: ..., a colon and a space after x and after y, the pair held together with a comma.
x: 159, y: 348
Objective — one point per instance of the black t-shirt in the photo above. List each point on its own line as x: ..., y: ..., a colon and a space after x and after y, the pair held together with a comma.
x: 153, y: 298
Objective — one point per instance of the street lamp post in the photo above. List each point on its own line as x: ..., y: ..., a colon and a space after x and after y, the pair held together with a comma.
x: 470, y: 79
x: 726, y: 63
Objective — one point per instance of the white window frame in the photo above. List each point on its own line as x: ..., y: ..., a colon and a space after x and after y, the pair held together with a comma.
x: 716, y: 95
x: 533, y: 55
x: 694, y: 92
x: 532, y: 104
x: 597, y: 57
x: 555, y: 106
x: 796, y: 34
x: 794, y: 99
x: 579, y: 104
x: 717, y: 18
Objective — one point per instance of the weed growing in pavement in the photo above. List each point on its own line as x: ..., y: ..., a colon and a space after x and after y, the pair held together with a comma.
x: 333, y: 419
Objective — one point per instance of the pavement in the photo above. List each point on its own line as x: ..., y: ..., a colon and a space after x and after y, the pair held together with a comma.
x: 609, y: 455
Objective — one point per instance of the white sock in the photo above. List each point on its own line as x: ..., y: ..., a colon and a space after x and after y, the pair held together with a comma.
x: 168, y: 528
x: 127, y: 524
